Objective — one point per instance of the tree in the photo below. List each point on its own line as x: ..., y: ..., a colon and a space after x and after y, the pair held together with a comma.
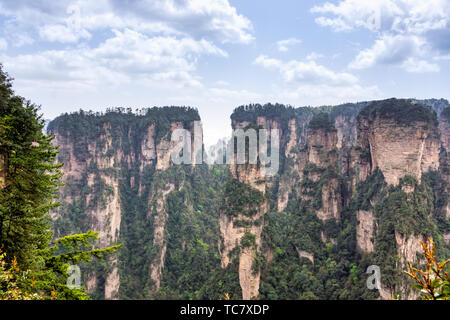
x: 30, y: 178
x: 434, y: 281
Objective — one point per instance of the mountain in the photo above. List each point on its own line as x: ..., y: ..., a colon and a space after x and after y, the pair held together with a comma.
x: 357, y: 185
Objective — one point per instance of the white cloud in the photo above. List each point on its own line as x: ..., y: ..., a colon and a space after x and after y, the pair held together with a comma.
x: 309, y: 82
x: 214, y: 20
x: 3, y: 44
x: 314, y: 56
x: 407, y: 31
x: 306, y: 72
x: 323, y: 94
x: 127, y: 55
x: 283, y: 45
x: 63, y: 34
x: 157, y: 40
x: 389, y: 50
x: 420, y: 66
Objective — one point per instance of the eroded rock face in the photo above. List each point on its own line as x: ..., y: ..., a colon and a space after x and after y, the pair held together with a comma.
x: 231, y: 228
x: 322, y: 153
x: 365, y: 230
x: 164, y: 148
x: 232, y: 232
x: 159, y: 238
x: 407, y: 248
x: 2, y: 171
x: 304, y: 254
x: 331, y: 199
x: 444, y: 127
x: 105, y: 216
x: 399, y: 149
x: 296, y: 152
x: 322, y: 147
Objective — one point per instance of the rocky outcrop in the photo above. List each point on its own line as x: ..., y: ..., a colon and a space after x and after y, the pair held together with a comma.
x: 297, y: 155
x: 365, y: 230
x: 159, y: 238
x: 398, y: 147
x: 233, y: 229
x: 304, y: 254
x: 2, y: 171
x: 322, y: 147
x: 323, y: 154
x: 407, y: 248
x: 102, y: 167
x: 444, y: 128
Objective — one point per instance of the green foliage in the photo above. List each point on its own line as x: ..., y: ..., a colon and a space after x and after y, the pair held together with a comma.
x: 16, y: 284
x: 446, y: 114
x: 322, y: 121
x: 241, y: 199
x: 84, y: 128
x: 434, y: 281
x: 248, y: 240
x: 404, y: 112
x: 26, y: 196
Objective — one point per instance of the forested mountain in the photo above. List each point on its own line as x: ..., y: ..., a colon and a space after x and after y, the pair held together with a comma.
x: 358, y: 185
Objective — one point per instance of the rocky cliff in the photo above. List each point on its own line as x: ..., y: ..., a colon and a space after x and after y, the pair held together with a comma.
x: 109, y: 153
x: 340, y: 165
x: 357, y: 185
x: 2, y: 171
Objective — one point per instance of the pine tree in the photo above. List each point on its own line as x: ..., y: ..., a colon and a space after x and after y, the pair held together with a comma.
x: 29, y: 181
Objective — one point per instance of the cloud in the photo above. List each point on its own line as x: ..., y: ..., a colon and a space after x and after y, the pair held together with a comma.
x: 63, y: 34
x: 283, y: 45
x: 314, y: 56
x: 125, y: 56
x: 315, y: 84
x: 389, y: 50
x: 214, y: 20
x: 3, y: 44
x: 317, y: 95
x: 420, y: 66
x: 113, y: 42
x: 306, y: 72
x: 407, y: 31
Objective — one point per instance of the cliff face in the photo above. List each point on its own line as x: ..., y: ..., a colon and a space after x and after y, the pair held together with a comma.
x: 329, y: 168
x: 444, y: 128
x: 356, y: 187
x: 412, y: 149
x: 323, y: 154
x: 96, y: 170
x: 2, y: 171
x: 234, y: 228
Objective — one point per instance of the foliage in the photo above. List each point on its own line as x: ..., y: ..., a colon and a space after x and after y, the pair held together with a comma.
x: 434, y: 281
x: 26, y: 197
x: 14, y: 283
x: 248, y: 240
x: 446, y: 113
x: 240, y: 198
x: 321, y: 120
x: 404, y: 112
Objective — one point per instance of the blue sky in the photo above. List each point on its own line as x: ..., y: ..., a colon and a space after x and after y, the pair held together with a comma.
x: 218, y: 54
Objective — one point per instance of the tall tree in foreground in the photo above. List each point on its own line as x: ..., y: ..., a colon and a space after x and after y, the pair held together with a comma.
x: 29, y: 180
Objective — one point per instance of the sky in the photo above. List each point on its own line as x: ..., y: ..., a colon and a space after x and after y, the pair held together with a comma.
x: 216, y: 55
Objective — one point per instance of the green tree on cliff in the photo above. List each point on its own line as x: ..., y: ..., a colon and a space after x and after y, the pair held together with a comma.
x: 30, y: 180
